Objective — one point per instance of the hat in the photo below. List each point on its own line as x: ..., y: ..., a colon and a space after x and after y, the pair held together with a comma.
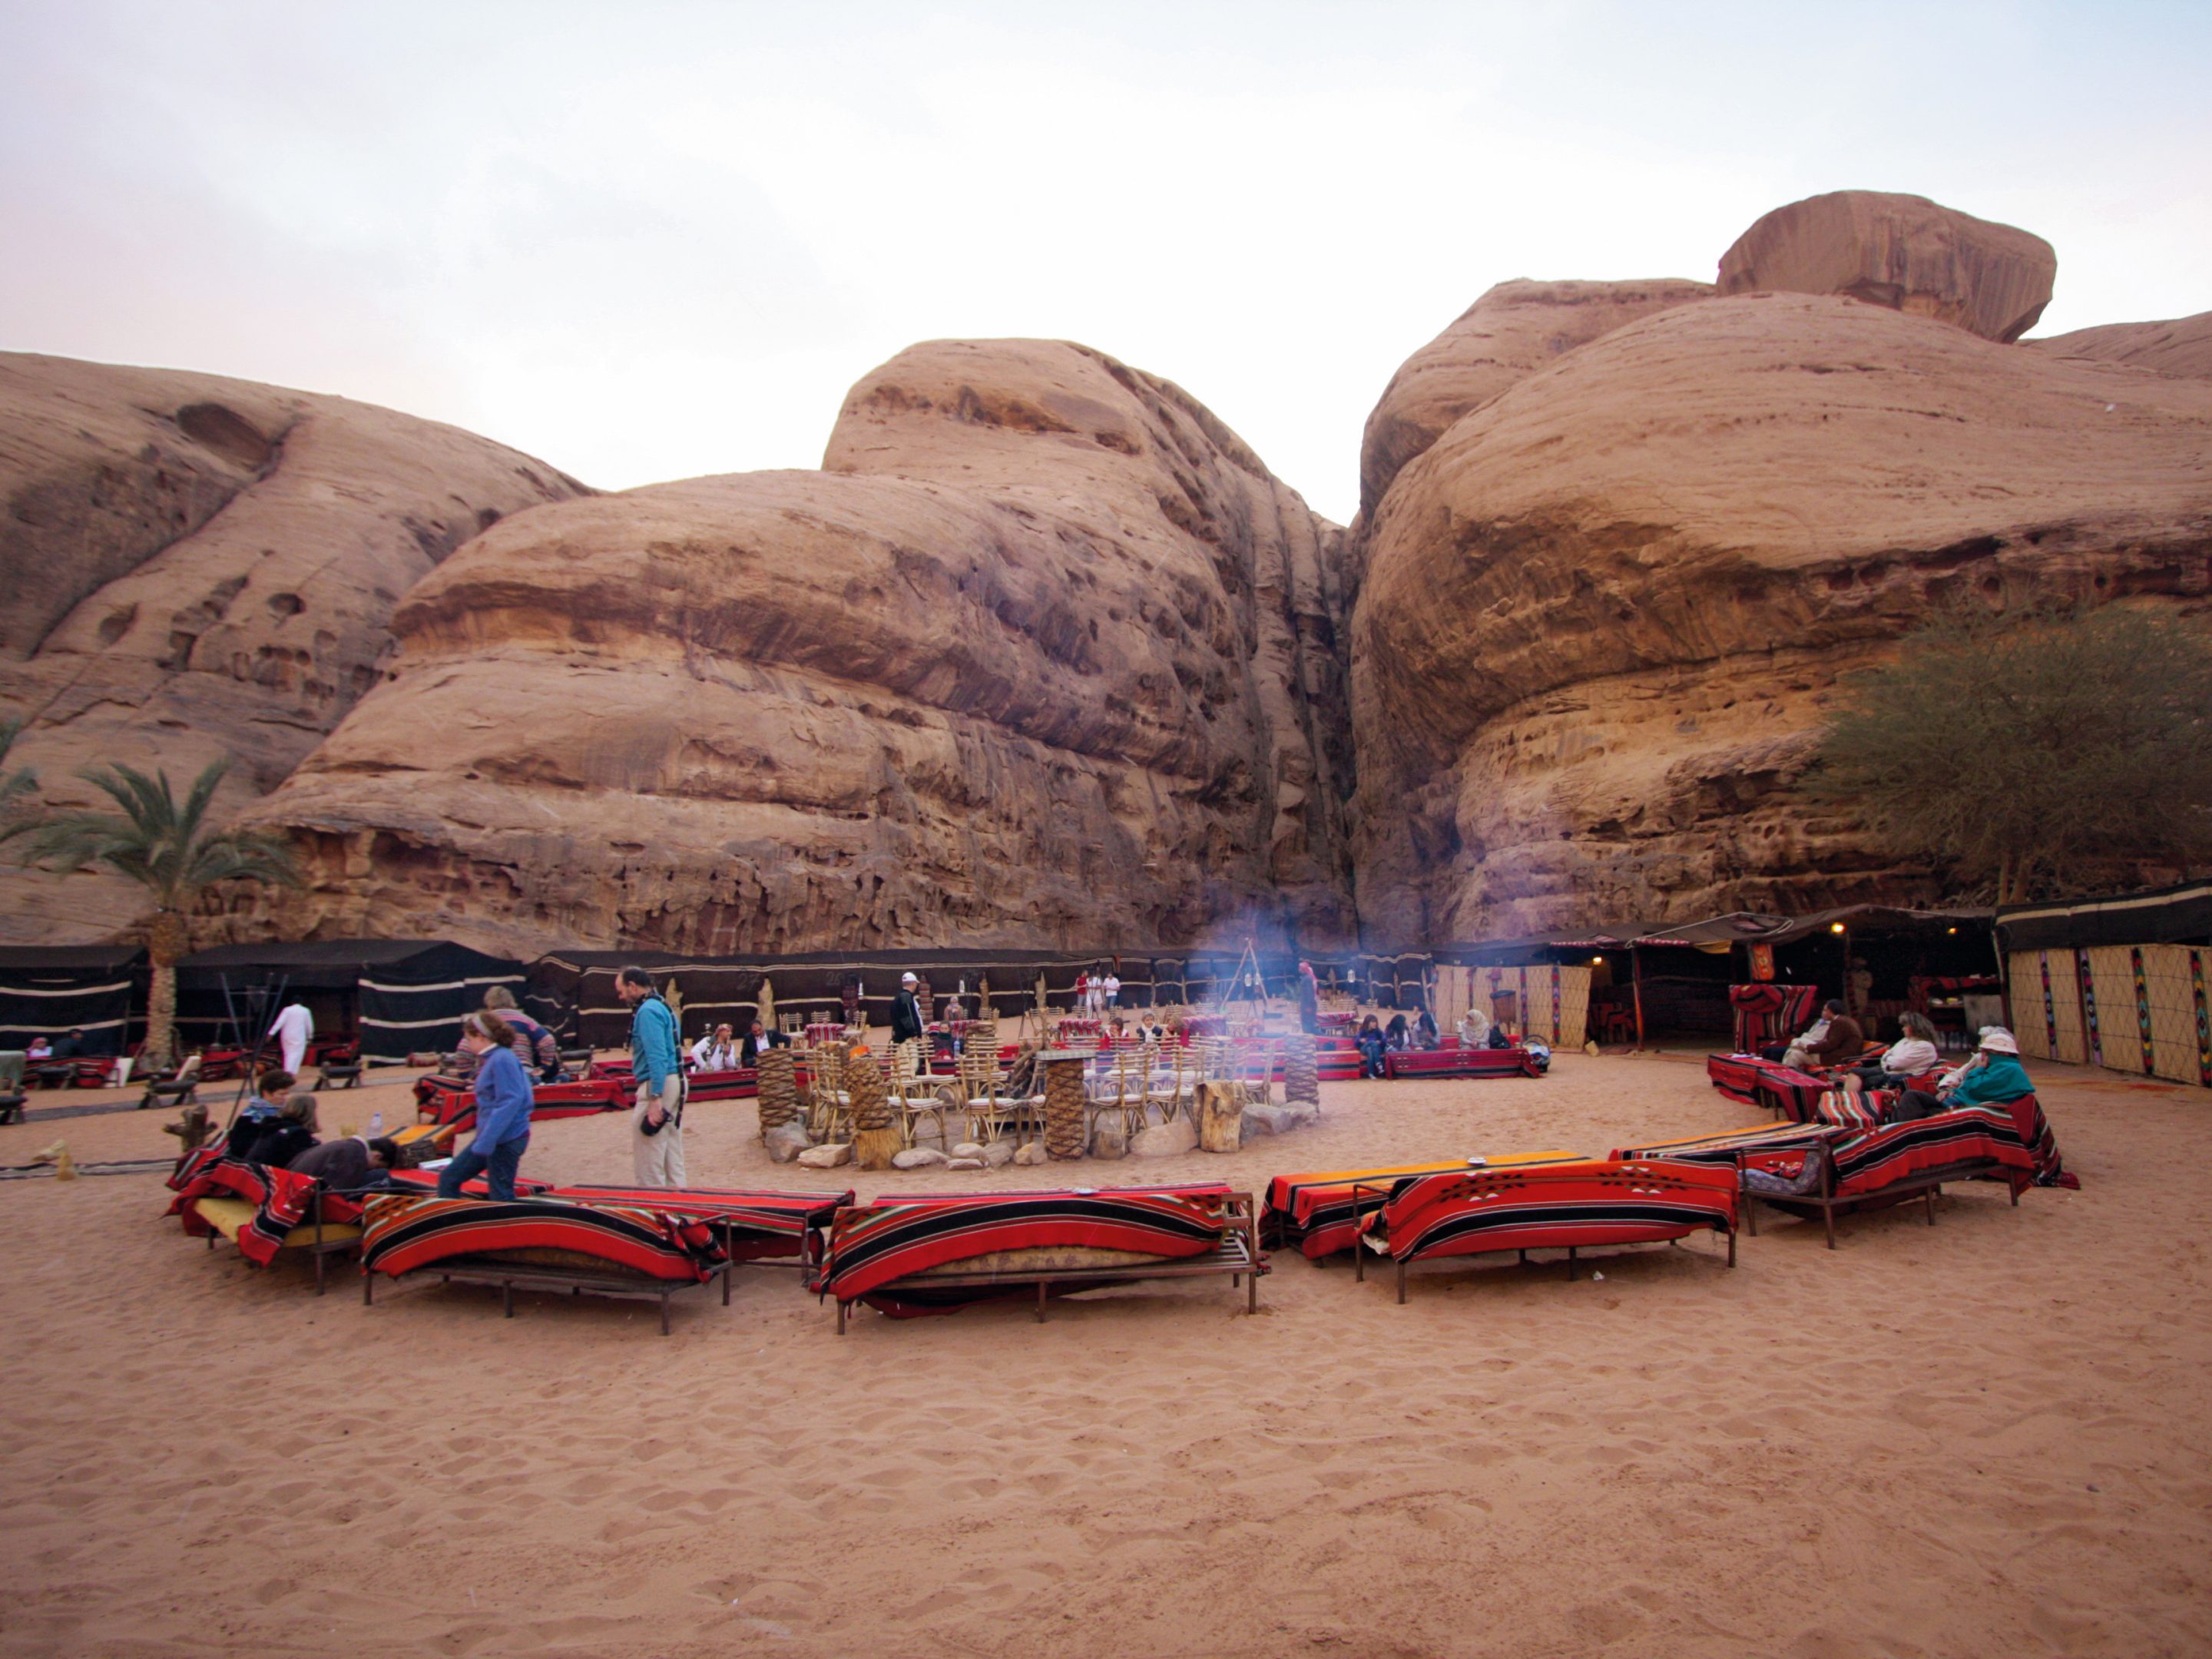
x: 1998, y: 1041
x: 909, y: 979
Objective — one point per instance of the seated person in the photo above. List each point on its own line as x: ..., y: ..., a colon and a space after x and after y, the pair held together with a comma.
x: 1425, y: 1030
x: 40, y: 1049
x: 271, y: 1090
x: 1397, y: 1035
x: 1994, y: 1077
x: 351, y: 1164
x: 761, y: 1038
x: 69, y: 1047
x: 1913, y: 1054
x: 718, y: 1052
x: 292, y: 1133
x: 1843, y: 1041
x: 538, y: 1049
x: 1816, y: 1032
x: 1474, y: 1030
x: 1370, y: 1045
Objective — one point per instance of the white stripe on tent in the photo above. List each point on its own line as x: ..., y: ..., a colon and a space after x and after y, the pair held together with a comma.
x: 71, y: 991
x: 78, y: 1025
x: 445, y: 985
x: 2099, y: 906
x: 409, y: 1024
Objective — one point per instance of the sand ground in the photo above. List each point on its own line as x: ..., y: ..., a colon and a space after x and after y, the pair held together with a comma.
x: 1991, y: 1436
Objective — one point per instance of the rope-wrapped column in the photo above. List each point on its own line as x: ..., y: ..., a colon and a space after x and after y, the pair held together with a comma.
x: 1301, y: 1073
x: 779, y: 1089
x: 1063, y: 1105
x: 875, y: 1141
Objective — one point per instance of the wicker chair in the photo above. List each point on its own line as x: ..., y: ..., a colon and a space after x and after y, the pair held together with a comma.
x: 917, y: 1097
x: 1119, y: 1093
x: 828, y: 1108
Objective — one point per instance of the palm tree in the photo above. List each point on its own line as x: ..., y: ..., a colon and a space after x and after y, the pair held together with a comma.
x: 168, y: 849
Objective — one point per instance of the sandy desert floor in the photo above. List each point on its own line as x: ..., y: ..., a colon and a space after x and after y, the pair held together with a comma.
x: 1991, y: 1436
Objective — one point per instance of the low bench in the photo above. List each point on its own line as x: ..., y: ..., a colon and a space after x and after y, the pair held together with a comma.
x: 318, y: 1238
x: 511, y: 1276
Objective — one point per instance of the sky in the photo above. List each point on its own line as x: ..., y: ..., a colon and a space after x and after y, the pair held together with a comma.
x: 647, y: 241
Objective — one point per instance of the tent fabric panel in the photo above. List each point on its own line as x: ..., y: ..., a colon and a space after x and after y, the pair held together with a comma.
x: 52, y: 1005
x: 2173, y: 1012
x: 2119, y: 1032
x: 2173, y: 915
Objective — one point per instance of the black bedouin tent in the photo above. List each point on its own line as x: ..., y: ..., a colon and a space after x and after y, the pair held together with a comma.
x: 398, y: 996
x: 51, y: 990
x: 2171, y: 915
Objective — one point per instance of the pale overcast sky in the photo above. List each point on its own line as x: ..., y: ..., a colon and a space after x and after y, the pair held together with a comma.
x: 648, y: 241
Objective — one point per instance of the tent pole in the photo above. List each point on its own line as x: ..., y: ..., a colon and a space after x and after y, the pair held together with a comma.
x: 1636, y: 980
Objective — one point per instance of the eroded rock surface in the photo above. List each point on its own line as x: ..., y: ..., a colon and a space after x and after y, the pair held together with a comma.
x: 193, y: 567
x: 1604, y: 614
x: 1903, y: 252
x: 1514, y: 330
x: 1044, y: 654
x: 2181, y: 347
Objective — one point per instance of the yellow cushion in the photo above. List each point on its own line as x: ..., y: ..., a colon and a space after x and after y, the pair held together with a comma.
x: 227, y: 1215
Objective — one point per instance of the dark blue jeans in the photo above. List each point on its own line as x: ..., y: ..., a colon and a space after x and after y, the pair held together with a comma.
x: 503, y: 1163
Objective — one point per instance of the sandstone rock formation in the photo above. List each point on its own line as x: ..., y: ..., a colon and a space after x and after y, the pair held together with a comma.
x: 1901, y: 252
x: 2181, y: 347
x: 1044, y: 654
x: 1511, y: 332
x: 1603, y: 614
x: 192, y: 567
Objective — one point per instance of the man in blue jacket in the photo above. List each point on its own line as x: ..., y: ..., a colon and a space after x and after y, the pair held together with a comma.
x: 656, y: 1121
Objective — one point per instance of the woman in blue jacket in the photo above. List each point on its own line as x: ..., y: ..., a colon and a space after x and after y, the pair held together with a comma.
x: 503, y: 1101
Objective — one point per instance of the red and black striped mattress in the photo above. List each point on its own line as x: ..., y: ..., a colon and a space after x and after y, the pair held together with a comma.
x: 1461, y: 1062
x: 405, y: 1232
x: 876, y: 1244
x: 1319, y: 1213
x: 281, y: 1199
x: 1587, y: 1203
x: 1720, y: 1150
x: 1867, y: 1161
x: 1767, y: 1082
x: 762, y: 1222
x: 455, y: 1108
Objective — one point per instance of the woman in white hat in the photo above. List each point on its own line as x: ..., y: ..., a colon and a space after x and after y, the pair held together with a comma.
x: 1994, y: 1077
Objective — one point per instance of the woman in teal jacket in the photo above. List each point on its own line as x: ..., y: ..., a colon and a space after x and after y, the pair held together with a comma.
x: 1994, y: 1078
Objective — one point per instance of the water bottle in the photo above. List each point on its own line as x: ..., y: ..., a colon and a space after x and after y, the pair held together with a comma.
x: 375, y: 1125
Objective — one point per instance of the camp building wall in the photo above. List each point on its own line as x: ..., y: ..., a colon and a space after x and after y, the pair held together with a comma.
x: 1552, y: 998
x: 2139, y: 1009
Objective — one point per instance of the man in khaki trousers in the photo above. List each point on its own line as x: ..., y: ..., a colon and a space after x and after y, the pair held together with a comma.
x: 656, y: 1121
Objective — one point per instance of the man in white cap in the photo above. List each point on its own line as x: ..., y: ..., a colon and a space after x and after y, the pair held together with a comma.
x: 905, y: 1013
x: 1994, y: 1077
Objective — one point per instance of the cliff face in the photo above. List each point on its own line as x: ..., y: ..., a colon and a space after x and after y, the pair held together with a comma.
x: 193, y: 567
x: 1603, y: 613
x: 1043, y: 654
x: 2181, y: 347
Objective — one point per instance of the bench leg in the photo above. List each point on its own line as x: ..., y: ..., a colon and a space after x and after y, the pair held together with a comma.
x: 1828, y: 1218
x: 506, y: 1296
x: 1731, y: 1247
x: 1570, y: 1264
x: 1930, y: 1196
x: 841, y: 1317
x: 1358, y: 1260
x: 1039, y: 1306
x: 367, y: 1287
x: 2015, y: 1191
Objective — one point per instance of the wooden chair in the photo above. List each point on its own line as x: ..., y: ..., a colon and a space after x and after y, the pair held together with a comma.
x: 828, y: 1108
x: 178, y: 1089
x: 1120, y: 1093
x: 917, y: 1097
